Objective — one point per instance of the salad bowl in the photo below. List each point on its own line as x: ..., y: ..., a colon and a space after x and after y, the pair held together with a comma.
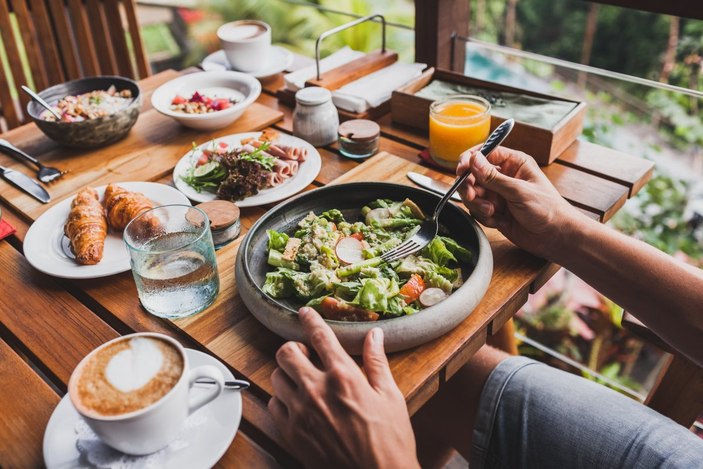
x: 280, y: 315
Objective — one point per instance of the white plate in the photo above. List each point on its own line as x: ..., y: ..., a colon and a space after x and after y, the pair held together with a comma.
x: 307, y: 172
x: 279, y: 61
x: 46, y: 248
x: 206, y: 443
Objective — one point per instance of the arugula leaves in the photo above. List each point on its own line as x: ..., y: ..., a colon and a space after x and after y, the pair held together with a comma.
x: 259, y: 156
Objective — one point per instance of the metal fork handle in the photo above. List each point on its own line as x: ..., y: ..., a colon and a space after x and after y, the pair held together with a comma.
x: 495, y: 139
x: 7, y: 147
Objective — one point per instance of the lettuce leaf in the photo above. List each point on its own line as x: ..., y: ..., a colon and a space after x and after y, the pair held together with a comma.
x: 433, y: 279
x: 277, y: 240
x: 333, y: 215
x: 437, y: 252
x: 279, y: 284
x: 347, y: 290
x: 317, y: 282
x: 375, y: 294
x: 459, y: 251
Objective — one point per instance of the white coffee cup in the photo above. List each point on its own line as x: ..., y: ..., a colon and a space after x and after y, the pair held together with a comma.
x: 247, y: 44
x: 153, y: 427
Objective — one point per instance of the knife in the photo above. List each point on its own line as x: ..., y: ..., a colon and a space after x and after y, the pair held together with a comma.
x: 25, y: 183
x: 428, y: 183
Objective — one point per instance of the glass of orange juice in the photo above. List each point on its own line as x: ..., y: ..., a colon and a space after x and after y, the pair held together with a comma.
x: 457, y: 123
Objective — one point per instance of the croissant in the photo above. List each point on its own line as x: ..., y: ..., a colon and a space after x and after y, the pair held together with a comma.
x: 123, y: 205
x: 86, y: 227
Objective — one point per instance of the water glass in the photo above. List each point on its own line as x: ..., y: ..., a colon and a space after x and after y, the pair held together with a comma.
x: 173, y: 260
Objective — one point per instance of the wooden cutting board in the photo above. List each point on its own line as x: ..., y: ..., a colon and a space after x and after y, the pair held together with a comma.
x: 149, y: 152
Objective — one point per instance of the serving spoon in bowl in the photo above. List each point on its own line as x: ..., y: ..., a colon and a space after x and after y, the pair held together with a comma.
x: 429, y: 227
x: 41, y: 101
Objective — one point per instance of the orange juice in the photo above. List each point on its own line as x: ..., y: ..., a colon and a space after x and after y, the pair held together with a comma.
x: 457, y: 123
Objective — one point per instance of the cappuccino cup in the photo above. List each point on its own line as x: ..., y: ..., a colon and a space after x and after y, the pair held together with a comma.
x: 134, y: 391
x: 246, y: 43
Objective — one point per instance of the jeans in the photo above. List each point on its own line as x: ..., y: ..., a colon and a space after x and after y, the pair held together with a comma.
x: 533, y: 416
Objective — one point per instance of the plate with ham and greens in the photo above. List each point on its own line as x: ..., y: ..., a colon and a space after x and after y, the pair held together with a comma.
x: 249, y: 169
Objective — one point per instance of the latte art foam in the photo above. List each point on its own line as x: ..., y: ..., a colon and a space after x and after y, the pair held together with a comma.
x: 127, y: 375
x: 135, y: 366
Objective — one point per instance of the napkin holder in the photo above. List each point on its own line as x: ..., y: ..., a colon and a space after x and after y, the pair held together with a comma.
x: 545, y: 145
x: 338, y: 77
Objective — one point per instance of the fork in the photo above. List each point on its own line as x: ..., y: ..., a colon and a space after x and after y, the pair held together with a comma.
x: 429, y: 227
x: 45, y: 174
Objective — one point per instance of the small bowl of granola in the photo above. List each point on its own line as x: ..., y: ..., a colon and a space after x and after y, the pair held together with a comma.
x: 206, y: 100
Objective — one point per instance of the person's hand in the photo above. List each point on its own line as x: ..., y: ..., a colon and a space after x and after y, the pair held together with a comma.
x: 334, y: 415
x: 509, y: 192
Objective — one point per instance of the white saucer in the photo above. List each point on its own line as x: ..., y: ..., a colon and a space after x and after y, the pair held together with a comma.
x: 206, y: 443
x: 279, y: 60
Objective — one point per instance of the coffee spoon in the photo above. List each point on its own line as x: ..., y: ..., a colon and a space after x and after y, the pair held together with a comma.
x: 234, y: 384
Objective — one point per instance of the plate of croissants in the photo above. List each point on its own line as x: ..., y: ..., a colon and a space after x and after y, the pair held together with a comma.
x: 81, y: 236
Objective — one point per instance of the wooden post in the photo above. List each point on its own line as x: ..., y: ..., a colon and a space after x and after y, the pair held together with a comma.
x: 435, y: 21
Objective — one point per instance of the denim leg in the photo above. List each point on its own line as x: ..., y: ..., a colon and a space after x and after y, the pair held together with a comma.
x: 533, y: 416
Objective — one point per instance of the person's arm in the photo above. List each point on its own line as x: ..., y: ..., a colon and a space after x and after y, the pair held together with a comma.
x: 509, y: 192
x: 334, y: 415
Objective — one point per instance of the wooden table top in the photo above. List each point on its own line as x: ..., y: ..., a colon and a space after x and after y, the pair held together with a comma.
x: 49, y: 324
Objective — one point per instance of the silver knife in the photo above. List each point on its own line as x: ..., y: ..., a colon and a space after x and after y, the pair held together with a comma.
x: 428, y: 183
x: 25, y: 183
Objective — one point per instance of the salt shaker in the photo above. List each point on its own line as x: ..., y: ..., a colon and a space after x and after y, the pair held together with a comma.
x: 315, y: 118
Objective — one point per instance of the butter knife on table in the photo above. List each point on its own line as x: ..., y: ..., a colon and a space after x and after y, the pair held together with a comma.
x: 25, y: 183
x: 430, y: 184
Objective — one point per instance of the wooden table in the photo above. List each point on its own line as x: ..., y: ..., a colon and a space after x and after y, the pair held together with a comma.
x: 49, y: 324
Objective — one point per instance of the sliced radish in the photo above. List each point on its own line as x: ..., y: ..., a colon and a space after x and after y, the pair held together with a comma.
x: 348, y: 250
x: 432, y: 296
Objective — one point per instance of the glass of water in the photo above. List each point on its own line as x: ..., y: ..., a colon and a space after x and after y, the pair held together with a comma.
x: 173, y: 260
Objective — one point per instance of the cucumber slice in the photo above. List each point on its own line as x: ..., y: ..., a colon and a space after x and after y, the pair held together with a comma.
x: 205, y: 170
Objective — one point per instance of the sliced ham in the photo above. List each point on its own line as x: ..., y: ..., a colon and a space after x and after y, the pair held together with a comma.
x: 273, y: 179
x: 284, y: 151
x: 293, y: 153
x: 286, y: 168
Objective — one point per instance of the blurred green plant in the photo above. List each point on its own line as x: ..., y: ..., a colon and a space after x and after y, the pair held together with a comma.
x: 656, y: 216
x: 297, y: 27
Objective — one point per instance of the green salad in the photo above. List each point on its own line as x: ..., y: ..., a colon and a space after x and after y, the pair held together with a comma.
x: 334, y: 265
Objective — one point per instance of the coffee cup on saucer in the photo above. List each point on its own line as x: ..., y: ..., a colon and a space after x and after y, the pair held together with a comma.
x: 246, y: 43
x: 134, y: 391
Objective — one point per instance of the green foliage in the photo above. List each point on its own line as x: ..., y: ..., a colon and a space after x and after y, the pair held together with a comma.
x: 297, y: 27
x: 612, y: 372
x: 656, y: 217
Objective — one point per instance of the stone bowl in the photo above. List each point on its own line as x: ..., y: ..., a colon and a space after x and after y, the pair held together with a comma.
x: 280, y: 316
x: 90, y: 133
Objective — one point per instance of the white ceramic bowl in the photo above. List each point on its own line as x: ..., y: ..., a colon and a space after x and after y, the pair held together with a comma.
x: 222, y: 84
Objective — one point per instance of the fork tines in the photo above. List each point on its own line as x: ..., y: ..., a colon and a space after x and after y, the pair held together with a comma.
x: 404, y: 249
